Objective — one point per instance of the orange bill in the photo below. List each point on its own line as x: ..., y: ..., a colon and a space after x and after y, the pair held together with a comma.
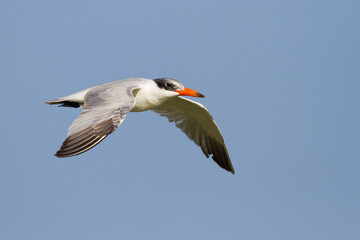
x: 189, y: 92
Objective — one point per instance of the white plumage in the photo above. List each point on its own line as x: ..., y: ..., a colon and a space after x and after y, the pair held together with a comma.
x: 104, y: 108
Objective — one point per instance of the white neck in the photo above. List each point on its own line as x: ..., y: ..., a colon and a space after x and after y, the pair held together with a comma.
x: 150, y: 96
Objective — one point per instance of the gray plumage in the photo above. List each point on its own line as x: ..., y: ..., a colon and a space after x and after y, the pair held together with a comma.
x: 105, y: 107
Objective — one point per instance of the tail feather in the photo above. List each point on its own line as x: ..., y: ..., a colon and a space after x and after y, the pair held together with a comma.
x: 64, y: 103
x: 56, y: 101
x: 74, y: 100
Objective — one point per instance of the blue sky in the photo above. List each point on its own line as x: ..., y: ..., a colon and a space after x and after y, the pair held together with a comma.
x: 281, y: 79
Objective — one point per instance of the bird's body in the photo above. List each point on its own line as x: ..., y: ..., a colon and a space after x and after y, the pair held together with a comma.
x: 104, y: 108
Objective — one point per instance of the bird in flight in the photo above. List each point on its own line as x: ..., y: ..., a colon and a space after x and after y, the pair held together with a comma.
x: 104, y: 108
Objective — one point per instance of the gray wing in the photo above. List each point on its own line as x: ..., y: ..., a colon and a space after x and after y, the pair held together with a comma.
x: 197, y: 123
x: 105, y: 108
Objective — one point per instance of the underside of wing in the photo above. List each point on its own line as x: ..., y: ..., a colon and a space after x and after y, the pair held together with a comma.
x: 197, y: 123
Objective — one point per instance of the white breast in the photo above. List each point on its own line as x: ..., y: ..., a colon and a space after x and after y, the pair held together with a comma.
x: 150, y: 96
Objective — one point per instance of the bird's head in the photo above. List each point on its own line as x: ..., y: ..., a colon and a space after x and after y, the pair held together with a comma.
x: 175, y: 86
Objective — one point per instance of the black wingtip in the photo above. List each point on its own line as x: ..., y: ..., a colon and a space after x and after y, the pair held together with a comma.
x: 59, y: 155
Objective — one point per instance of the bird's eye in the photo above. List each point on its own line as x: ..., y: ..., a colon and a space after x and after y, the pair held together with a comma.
x: 169, y: 85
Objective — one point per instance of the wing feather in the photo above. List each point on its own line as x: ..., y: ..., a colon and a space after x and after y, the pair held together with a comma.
x: 105, y: 108
x: 199, y: 126
x: 86, y: 139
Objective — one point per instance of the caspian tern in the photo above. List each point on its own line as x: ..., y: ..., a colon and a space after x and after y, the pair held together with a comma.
x: 104, y: 108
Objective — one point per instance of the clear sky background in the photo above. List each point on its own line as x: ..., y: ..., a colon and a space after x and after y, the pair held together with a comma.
x: 281, y: 79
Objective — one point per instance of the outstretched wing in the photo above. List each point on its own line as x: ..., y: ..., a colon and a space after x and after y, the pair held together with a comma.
x: 105, y: 108
x: 197, y: 123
